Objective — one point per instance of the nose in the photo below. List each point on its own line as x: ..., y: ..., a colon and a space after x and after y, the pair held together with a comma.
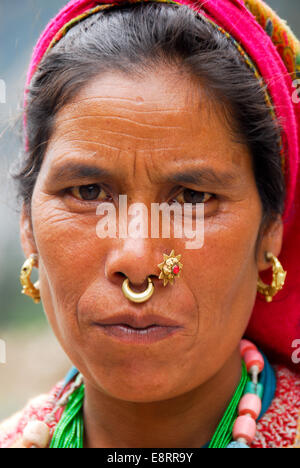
x: 136, y: 260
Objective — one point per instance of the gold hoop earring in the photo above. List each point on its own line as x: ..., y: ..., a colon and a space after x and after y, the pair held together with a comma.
x: 170, y: 268
x: 137, y: 297
x: 31, y: 290
x: 278, y: 279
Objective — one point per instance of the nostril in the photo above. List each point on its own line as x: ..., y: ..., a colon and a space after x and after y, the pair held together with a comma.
x: 138, y: 287
x: 121, y: 275
x: 134, y: 286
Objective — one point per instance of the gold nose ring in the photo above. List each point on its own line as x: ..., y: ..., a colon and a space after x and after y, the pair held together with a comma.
x: 137, y: 297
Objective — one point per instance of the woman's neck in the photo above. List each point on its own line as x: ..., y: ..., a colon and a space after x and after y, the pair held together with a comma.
x: 189, y: 420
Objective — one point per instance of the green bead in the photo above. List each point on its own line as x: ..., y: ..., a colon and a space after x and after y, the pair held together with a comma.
x: 69, y: 430
x: 223, y: 435
x: 250, y: 388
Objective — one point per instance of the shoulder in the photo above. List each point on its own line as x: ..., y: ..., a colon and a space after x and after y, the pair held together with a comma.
x: 37, y: 408
x: 279, y: 426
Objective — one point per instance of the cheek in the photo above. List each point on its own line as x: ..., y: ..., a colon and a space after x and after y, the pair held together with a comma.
x: 224, y: 272
x: 67, y: 245
x: 222, y: 276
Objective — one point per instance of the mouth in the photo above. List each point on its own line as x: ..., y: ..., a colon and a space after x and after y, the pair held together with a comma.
x: 138, y: 329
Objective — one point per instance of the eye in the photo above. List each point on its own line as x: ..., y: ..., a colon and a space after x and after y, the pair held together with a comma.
x: 93, y: 192
x: 192, y: 196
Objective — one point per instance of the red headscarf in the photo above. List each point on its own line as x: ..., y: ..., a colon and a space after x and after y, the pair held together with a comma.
x: 275, y: 52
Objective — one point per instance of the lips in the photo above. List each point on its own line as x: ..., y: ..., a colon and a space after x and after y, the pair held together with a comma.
x: 139, y: 321
x: 136, y: 329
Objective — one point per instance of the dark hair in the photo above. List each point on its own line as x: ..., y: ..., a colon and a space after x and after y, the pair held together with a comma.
x: 132, y: 39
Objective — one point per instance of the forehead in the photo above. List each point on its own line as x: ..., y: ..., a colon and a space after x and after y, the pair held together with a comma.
x: 152, y: 92
x: 162, y: 112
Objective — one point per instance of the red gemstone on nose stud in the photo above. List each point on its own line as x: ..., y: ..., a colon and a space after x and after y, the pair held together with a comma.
x: 176, y: 270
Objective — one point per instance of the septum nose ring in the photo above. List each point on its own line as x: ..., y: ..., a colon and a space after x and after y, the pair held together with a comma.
x: 170, y: 269
x: 137, y: 297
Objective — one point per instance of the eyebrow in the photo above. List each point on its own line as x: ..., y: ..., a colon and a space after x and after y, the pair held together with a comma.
x: 70, y: 171
x: 205, y: 175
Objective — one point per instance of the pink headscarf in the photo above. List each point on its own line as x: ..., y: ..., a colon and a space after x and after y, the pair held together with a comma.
x: 276, y: 53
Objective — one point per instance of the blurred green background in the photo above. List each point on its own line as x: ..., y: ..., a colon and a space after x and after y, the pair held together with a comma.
x: 35, y: 361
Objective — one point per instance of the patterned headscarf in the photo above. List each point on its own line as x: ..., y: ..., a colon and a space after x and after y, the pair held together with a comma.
x: 272, y: 52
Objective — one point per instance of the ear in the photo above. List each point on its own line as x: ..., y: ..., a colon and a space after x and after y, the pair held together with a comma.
x: 271, y: 241
x: 26, y: 230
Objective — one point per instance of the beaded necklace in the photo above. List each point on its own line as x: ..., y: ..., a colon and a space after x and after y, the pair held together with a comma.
x: 238, y: 422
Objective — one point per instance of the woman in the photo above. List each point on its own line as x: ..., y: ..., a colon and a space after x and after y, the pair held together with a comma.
x: 178, y: 104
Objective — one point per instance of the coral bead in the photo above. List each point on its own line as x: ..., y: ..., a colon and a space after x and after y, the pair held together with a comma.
x: 246, y: 345
x: 244, y: 428
x: 176, y: 270
x: 250, y: 404
x: 254, y: 358
x: 36, y: 434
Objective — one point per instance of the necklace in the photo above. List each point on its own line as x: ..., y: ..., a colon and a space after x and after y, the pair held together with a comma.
x: 238, y: 422
x: 69, y: 431
x: 223, y: 435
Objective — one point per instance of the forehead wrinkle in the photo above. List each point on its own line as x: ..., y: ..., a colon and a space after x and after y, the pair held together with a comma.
x: 166, y: 110
x: 159, y: 117
x: 154, y: 139
x: 120, y: 126
x: 128, y: 91
x: 114, y: 117
x: 59, y: 140
x: 105, y: 98
x: 138, y: 105
x: 150, y: 172
x: 143, y: 164
x: 159, y: 125
x: 185, y: 107
x: 120, y: 134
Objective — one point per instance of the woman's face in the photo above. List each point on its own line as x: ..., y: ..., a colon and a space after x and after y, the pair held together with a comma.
x: 155, y: 140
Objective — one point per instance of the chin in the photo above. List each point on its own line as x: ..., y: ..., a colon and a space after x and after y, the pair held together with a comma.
x: 141, y: 393
x: 142, y: 386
